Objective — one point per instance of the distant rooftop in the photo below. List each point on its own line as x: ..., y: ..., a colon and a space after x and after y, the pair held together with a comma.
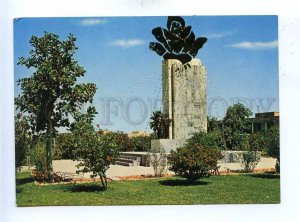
x: 267, y: 115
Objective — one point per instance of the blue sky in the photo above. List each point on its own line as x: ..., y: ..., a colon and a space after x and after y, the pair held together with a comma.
x: 241, y: 57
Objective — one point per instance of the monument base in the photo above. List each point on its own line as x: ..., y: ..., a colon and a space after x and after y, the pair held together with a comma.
x: 166, y: 144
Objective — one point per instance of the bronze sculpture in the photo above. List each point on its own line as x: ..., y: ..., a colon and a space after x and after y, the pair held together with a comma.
x: 177, y: 41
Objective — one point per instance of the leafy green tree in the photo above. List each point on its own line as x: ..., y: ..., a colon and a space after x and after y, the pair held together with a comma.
x: 95, y: 150
x: 235, y: 124
x: 50, y: 94
x: 194, y: 162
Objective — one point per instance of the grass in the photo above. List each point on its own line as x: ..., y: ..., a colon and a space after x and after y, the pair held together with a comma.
x: 230, y: 189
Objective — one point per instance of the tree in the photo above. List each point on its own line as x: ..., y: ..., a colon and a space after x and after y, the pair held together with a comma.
x: 156, y: 123
x: 194, y: 162
x: 95, y: 150
x: 50, y: 94
x: 235, y: 124
x: 160, y: 124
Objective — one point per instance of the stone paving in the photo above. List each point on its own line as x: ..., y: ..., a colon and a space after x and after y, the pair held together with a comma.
x: 114, y: 171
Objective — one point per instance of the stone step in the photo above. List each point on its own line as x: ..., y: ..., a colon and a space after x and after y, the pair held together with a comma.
x: 123, y: 163
x: 129, y: 157
x: 126, y: 160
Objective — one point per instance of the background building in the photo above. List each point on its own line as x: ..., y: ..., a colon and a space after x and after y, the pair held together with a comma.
x: 264, y: 121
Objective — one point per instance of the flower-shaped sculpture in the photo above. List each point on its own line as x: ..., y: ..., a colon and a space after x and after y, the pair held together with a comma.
x: 177, y: 41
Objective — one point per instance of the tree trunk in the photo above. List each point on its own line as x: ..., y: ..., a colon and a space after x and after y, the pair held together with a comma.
x: 103, y: 181
x: 49, y: 145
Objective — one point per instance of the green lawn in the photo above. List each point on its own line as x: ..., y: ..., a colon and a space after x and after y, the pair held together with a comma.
x: 233, y: 189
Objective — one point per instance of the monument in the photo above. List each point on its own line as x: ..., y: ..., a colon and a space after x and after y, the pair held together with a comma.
x: 183, y: 83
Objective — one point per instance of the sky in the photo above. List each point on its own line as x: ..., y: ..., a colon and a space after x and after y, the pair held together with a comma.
x: 241, y: 58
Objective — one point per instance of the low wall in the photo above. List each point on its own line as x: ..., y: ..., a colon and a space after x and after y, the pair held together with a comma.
x: 166, y: 144
x: 231, y: 156
x: 228, y: 156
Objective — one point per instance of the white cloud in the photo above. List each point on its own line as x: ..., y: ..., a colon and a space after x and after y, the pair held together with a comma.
x: 92, y: 22
x: 127, y: 43
x: 218, y: 35
x: 255, y: 45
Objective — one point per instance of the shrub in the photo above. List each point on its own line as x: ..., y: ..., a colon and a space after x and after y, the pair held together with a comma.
x: 122, y: 140
x: 64, y: 146
x: 95, y: 150
x: 250, y: 160
x: 238, y: 142
x: 38, y: 157
x: 273, y: 145
x: 257, y: 141
x: 212, y: 139
x: 23, y: 140
x: 159, y: 163
x: 194, y: 162
x: 140, y: 143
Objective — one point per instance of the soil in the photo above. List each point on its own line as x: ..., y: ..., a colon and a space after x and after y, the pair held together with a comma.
x: 41, y: 177
x: 139, y: 177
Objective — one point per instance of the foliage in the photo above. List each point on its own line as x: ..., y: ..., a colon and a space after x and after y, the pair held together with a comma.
x: 235, y: 123
x: 159, y: 162
x: 194, y: 162
x: 140, y: 143
x: 250, y: 160
x: 64, y: 146
x: 38, y: 157
x: 257, y: 141
x: 212, y: 139
x: 160, y: 124
x: 213, y: 124
x: 156, y: 123
x: 122, y: 140
x: 240, y: 141
x: 273, y: 145
x: 51, y: 93
x: 95, y: 150
x: 23, y: 140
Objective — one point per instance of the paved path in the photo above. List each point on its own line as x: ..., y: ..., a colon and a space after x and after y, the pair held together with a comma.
x: 112, y: 172
x: 115, y: 170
